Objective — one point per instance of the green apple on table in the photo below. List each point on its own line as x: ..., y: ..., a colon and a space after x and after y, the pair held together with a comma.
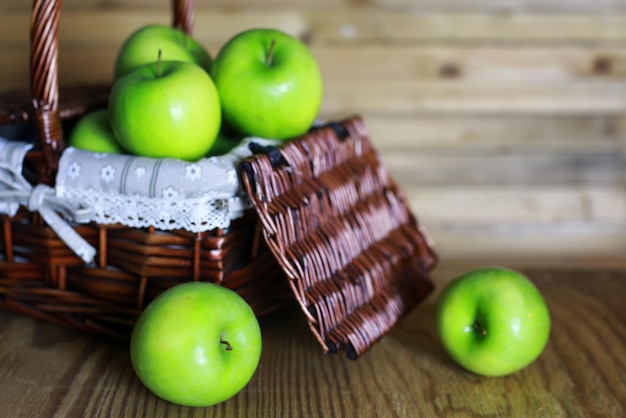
x: 269, y: 84
x: 493, y: 321
x: 166, y: 109
x: 196, y: 344
x: 93, y: 133
x: 143, y: 45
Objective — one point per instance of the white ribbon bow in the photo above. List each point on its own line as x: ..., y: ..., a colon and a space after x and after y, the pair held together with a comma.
x: 15, y: 190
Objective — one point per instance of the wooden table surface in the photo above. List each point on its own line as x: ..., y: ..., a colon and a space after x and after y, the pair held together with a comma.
x: 47, y: 371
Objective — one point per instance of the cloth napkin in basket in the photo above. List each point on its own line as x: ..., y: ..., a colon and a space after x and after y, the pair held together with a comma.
x: 129, y: 190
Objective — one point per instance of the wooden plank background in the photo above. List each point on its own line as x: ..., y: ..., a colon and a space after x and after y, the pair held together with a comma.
x: 503, y: 120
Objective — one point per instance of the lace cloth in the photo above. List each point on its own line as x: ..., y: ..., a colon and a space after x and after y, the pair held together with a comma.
x: 164, y: 193
x: 129, y: 190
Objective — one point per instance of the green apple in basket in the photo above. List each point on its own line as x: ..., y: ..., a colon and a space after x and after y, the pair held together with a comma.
x: 166, y: 109
x: 142, y: 46
x: 269, y: 84
x: 493, y: 321
x: 227, y: 139
x: 93, y: 132
x: 196, y: 344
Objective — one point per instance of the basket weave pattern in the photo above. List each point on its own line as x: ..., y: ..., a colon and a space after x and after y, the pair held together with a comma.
x: 341, y: 228
x: 42, y: 278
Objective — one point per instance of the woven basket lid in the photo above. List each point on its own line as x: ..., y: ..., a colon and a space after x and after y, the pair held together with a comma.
x: 355, y: 256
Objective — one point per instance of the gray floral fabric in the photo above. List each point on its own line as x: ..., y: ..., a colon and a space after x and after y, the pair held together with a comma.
x: 129, y: 190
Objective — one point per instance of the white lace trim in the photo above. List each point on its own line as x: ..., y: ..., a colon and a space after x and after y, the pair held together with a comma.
x: 192, y: 214
x: 164, y: 193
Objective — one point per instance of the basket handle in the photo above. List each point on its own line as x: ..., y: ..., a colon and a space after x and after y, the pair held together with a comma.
x: 44, y: 42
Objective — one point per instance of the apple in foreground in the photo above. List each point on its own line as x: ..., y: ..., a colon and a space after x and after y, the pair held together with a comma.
x: 93, y: 133
x: 142, y: 46
x: 269, y: 83
x: 493, y: 321
x: 196, y: 344
x: 166, y: 109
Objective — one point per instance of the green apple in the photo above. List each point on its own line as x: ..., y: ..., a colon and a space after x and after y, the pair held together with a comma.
x: 142, y: 46
x: 269, y: 83
x: 226, y: 141
x: 493, y: 321
x: 196, y: 344
x: 166, y: 109
x: 93, y: 132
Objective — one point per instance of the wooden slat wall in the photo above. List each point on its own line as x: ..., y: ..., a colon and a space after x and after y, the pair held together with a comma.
x: 504, y: 120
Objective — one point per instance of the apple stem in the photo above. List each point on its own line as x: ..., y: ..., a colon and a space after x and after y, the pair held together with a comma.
x: 227, y: 347
x: 270, y: 53
x: 159, y: 64
x: 478, y: 328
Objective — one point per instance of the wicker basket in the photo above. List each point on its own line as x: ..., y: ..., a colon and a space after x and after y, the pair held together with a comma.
x: 328, y: 228
x: 355, y: 256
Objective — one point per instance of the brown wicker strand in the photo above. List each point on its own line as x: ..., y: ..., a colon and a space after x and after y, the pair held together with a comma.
x: 44, y: 80
x: 7, y: 238
x: 44, y: 51
x: 102, y: 247
x: 196, y: 254
x: 183, y: 15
